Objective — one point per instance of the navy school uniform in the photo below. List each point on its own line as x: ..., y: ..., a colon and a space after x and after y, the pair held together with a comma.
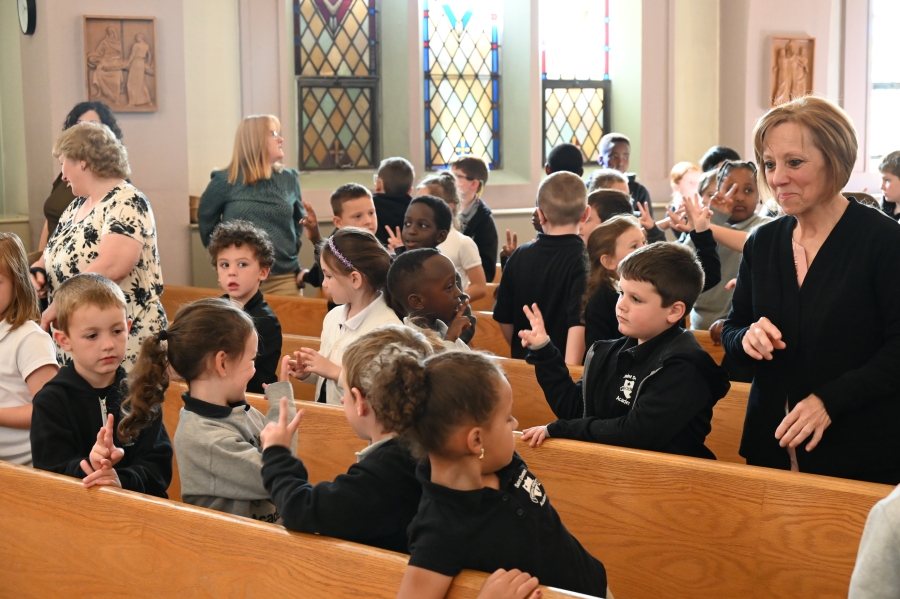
x: 487, y: 529
x: 268, y: 352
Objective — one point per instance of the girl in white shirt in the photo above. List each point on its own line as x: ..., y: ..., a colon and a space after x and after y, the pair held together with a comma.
x: 27, y: 353
x: 355, y: 266
x: 461, y: 249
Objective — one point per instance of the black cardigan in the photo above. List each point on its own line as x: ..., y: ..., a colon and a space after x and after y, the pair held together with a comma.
x: 842, y: 336
x: 483, y: 231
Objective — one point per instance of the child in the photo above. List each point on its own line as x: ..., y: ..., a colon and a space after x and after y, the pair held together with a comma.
x: 376, y: 500
x: 877, y: 571
x: 683, y: 179
x: 393, y: 186
x: 86, y: 396
x: 243, y: 257
x: 608, y: 178
x: 423, y: 285
x: 551, y: 271
x: 890, y: 184
x: 481, y: 509
x: 606, y: 203
x: 27, y: 354
x: 475, y: 219
x: 355, y: 267
x: 461, y: 249
x: 715, y: 156
x: 615, y: 153
x: 565, y: 158
x: 211, y: 344
x: 653, y: 389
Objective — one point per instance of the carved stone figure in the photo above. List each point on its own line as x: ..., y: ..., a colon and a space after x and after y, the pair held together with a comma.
x: 121, y: 67
x: 139, y: 63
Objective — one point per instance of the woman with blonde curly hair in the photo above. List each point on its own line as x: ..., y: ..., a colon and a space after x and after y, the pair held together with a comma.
x: 256, y: 187
x: 108, y: 229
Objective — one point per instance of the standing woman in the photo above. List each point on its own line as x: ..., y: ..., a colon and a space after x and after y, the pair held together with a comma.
x: 109, y: 230
x: 815, y: 307
x: 255, y: 187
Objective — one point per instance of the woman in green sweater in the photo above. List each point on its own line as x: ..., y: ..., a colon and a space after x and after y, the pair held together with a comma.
x: 256, y: 187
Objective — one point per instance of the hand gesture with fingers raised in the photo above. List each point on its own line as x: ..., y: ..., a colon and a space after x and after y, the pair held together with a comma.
x: 678, y: 220
x: 395, y: 238
x: 646, y: 220
x: 460, y: 322
x: 311, y: 223
x: 104, y: 476
x: 104, y: 448
x: 282, y: 432
x: 697, y: 214
x: 761, y: 339
x: 723, y: 201
x: 538, y: 334
x: 512, y: 242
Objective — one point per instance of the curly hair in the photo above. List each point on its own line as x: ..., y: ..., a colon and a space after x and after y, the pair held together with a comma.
x: 238, y: 233
x: 102, y: 110
x: 97, y: 146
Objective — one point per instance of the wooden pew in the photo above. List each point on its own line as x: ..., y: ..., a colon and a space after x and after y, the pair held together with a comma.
x: 290, y: 344
x: 724, y: 439
x: 530, y: 407
x: 297, y: 315
x: 486, y: 303
x: 498, y: 273
x: 716, y: 351
x: 143, y: 547
x: 488, y: 336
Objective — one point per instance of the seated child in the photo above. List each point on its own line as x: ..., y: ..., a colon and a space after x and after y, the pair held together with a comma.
x: 243, y: 256
x: 877, y: 571
x: 551, y: 271
x: 565, y: 158
x: 653, y: 389
x: 27, y: 353
x: 481, y: 509
x: 683, y: 180
x: 608, y: 178
x: 615, y: 153
x: 715, y: 156
x: 89, y: 395
x: 376, y: 500
x: 393, y: 186
x: 423, y: 285
x: 606, y: 203
x: 211, y: 344
x: 355, y: 267
x: 890, y: 184
x: 461, y: 249
x: 475, y: 218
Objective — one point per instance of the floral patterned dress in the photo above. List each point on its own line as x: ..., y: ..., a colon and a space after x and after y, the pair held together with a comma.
x: 73, y: 246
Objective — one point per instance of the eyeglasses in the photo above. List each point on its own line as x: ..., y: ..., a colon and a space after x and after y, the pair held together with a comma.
x: 462, y: 176
x: 275, y: 134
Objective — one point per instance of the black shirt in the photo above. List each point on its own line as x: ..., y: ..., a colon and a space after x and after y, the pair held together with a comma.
x: 372, y: 504
x: 889, y: 208
x: 551, y: 272
x: 268, y: 352
x: 390, y: 210
x: 487, y: 529
x: 483, y: 231
x: 639, y: 194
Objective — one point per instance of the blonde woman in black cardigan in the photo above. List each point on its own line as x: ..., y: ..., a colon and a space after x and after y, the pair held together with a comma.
x: 816, y: 307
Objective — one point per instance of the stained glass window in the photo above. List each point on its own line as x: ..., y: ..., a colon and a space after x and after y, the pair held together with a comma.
x: 462, y: 80
x: 575, y: 73
x: 335, y: 61
x: 884, y: 123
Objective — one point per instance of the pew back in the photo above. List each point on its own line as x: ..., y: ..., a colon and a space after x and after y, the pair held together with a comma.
x: 486, y: 303
x: 716, y: 351
x: 724, y: 439
x: 488, y: 336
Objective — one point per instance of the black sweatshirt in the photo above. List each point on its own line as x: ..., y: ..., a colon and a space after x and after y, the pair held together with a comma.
x: 67, y: 416
x: 268, y: 352
x: 657, y: 396
x: 390, y: 210
x: 372, y: 504
x: 483, y: 231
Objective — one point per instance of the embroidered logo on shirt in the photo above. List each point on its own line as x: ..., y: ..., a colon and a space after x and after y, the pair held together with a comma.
x: 532, y: 486
x: 626, y: 389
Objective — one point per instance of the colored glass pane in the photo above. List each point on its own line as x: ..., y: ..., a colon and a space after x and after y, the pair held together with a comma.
x: 574, y: 115
x: 336, y: 125
x: 334, y: 38
x: 461, y: 57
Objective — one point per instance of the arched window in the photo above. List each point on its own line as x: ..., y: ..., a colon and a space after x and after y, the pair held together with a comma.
x: 335, y: 62
x: 575, y: 73
x: 462, y: 80
x: 884, y: 119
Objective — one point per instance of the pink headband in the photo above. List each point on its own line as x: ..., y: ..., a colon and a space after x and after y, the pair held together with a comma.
x: 339, y: 255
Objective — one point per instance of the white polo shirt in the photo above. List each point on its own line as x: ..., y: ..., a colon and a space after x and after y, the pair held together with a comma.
x: 463, y: 252
x: 22, y: 351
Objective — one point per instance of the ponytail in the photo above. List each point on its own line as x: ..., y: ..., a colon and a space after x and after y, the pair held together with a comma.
x: 147, y: 384
x: 602, y: 241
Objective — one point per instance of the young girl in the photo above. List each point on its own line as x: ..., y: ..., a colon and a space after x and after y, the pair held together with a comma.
x: 683, y: 179
x: 376, y: 500
x: 460, y: 248
x: 355, y: 266
x: 211, y: 344
x: 481, y: 509
x: 27, y: 353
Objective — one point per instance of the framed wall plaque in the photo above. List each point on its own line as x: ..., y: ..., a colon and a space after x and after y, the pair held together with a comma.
x: 120, y: 62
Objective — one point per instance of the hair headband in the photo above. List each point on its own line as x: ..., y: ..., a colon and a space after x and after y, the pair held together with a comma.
x: 339, y: 255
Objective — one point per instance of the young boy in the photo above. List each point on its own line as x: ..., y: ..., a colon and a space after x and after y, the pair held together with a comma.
x: 565, y: 157
x: 423, y: 286
x: 393, y: 192
x: 890, y: 184
x: 607, y: 203
x: 615, y: 153
x: 608, y: 178
x: 86, y: 396
x: 550, y: 271
x: 475, y: 218
x: 243, y: 256
x: 653, y: 389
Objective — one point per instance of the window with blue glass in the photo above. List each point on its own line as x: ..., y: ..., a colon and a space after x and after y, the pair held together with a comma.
x: 336, y: 67
x: 461, y: 57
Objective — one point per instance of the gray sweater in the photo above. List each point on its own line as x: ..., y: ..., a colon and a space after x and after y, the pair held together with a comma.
x: 877, y: 571
x: 220, y: 456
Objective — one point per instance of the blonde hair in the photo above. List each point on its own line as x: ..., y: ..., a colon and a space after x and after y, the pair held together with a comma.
x: 680, y: 170
x: 249, y: 158
x: 829, y: 127
x: 97, y: 146
x: 86, y: 289
x: 562, y: 197
x: 14, y: 265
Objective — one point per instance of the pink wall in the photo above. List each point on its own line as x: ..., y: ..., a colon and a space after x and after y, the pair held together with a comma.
x: 54, y: 81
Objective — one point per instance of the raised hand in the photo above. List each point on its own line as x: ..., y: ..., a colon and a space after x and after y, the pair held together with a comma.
x: 761, y: 339
x: 104, y: 448
x: 460, y: 322
x: 282, y: 432
x: 395, y: 238
x: 678, y: 220
x: 723, y: 201
x: 537, y: 335
x: 646, y: 220
x: 512, y: 242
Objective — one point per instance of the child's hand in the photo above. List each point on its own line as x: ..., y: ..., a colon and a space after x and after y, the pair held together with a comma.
x: 731, y: 284
x: 104, y: 476
x: 316, y: 363
x: 311, y: 224
x: 104, y: 448
x: 292, y: 367
x: 646, y: 220
x: 698, y: 214
x: 280, y: 434
x: 395, y: 239
x: 715, y: 331
x: 678, y: 220
x: 460, y: 322
x: 538, y: 334
x: 535, y: 435
x: 510, y: 585
x: 723, y: 201
x: 512, y: 242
